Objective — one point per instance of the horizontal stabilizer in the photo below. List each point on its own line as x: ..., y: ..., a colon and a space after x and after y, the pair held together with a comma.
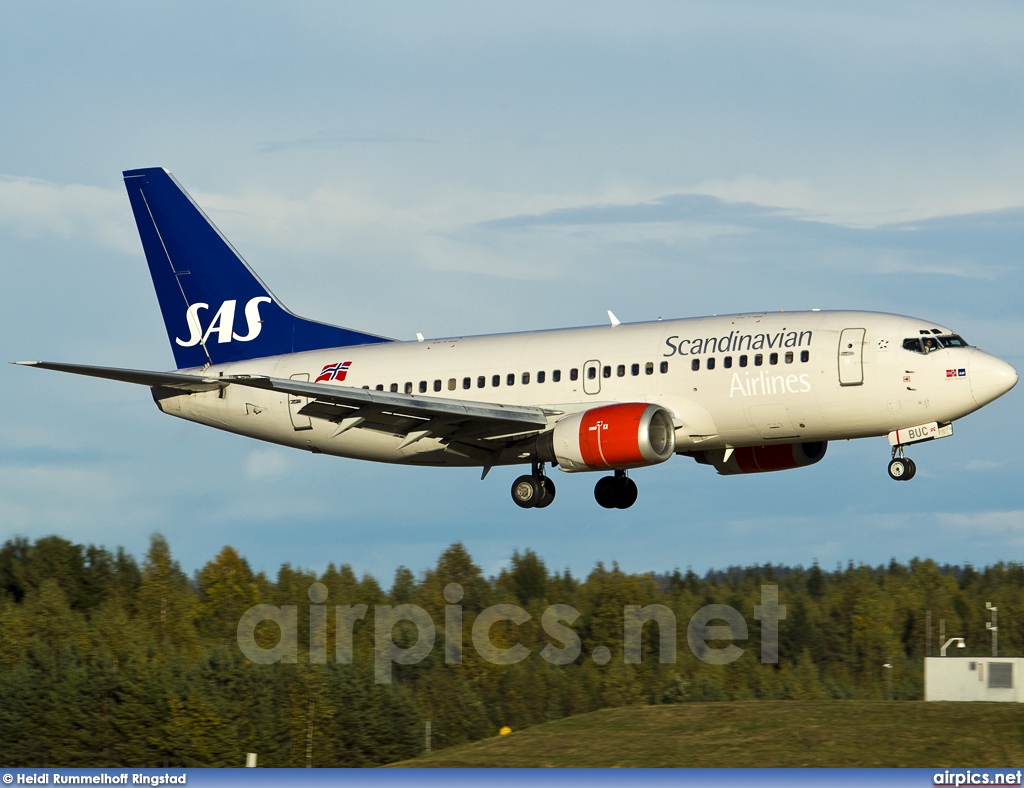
x: 168, y: 380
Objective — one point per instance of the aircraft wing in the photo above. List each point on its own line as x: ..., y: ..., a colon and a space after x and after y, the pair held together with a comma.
x: 473, y: 425
x: 475, y: 429
x: 169, y: 380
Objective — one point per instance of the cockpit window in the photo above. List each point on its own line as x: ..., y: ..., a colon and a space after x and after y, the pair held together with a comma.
x: 929, y: 344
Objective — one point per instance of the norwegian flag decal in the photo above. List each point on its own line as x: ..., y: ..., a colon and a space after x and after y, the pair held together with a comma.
x: 333, y: 372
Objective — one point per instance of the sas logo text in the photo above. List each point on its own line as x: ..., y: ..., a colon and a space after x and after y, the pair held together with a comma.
x: 333, y: 372
x: 956, y: 373
x: 223, y: 323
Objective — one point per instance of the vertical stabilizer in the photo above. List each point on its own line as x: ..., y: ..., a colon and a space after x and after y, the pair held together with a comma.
x: 215, y: 308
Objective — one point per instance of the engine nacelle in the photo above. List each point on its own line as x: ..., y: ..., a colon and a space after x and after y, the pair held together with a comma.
x: 629, y: 435
x: 762, y: 459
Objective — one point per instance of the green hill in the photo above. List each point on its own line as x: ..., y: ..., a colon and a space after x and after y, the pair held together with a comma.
x: 761, y: 733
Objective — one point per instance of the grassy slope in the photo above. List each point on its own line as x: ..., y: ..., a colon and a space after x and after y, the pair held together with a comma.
x: 762, y: 733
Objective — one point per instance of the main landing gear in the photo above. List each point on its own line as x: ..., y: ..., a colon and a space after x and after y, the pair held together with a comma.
x: 901, y: 469
x: 534, y: 491
x: 616, y: 492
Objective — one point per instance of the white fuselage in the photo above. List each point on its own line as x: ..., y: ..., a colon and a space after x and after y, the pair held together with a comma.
x: 779, y: 377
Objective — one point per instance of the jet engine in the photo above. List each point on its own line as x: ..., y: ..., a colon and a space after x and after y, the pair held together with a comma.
x: 762, y: 459
x: 628, y: 435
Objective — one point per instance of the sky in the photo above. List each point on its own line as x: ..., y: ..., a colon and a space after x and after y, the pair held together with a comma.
x: 465, y: 168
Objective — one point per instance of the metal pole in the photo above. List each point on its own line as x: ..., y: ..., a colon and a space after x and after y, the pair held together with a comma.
x: 928, y: 635
x: 428, y: 735
x: 993, y: 627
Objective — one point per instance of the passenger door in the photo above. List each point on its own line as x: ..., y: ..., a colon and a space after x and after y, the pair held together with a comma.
x: 296, y: 403
x: 851, y: 357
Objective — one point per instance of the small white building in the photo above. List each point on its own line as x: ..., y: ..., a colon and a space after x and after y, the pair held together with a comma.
x: 974, y: 678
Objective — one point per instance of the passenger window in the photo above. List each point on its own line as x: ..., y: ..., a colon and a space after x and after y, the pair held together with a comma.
x: 773, y: 359
x: 727, y: 362
x: 481, y: 381
x: 380, y: 387
x: 365, y: 387
x: 789, y: 356
x: 394, y: 387
x: 467, y: 382
x: 620, y: 370
x: 743, y: 361
x: 511, y: 378
x: 591, y: 373
x: 634, y: 370
x: 649, y: 368
x: 607, y: 372
x: 496, y: 380
x: 574, y: 374
x: 805, y: 356
x: 451, y: 384
x: 423, y: 387
x: 695, y: 364
x: 664, y: 367
x: 408, y: 387
x: 526, y: 378
x: 556, y: 375
x: 540, y: 376
x: 711, y: 363
x: 437, y: 385
x: 758, y: 360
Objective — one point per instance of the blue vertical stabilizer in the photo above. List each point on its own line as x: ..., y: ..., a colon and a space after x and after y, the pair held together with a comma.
x: 215, y: 308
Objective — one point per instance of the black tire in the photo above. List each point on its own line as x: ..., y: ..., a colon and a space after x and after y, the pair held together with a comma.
x: 547, y: 494
x: 605, y: 492
x: 911, y: 469
x: 898, y: 469
x: 526, y: 492
x: 627, y: 493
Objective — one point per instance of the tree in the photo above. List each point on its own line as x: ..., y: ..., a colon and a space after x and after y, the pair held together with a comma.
x: 165, y: 603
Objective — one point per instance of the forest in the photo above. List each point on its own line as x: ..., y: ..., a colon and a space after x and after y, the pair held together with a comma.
x: 105, y: 661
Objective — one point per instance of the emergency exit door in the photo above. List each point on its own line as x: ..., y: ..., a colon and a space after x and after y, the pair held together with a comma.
x: 851, y: 357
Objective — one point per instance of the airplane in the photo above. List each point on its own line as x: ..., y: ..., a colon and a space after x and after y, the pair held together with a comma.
x: 742, y: 393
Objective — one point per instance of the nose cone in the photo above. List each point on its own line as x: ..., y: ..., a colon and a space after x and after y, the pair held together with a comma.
x: 991, y: 377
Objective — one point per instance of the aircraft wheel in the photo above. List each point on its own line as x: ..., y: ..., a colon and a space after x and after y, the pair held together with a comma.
x: 526, y: 492
x: 605, y: 492
x: 911, y: 469
x: 900, y: 469
x: 547, y: 494
x: 627, y: 493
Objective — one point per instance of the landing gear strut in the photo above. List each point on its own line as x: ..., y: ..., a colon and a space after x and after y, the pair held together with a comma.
x: 616, y: 492
x: 901, y: 469
x: 534, y: 491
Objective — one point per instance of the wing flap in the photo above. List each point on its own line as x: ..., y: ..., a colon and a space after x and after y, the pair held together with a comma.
x: 408, y: 405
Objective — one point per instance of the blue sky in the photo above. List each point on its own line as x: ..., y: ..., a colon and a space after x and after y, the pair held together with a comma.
x: 466, y: 168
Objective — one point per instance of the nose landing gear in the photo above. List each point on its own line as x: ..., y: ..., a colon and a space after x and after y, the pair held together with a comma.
x: 534, y: 491
x: 901, y: 469
x: 616, y: 492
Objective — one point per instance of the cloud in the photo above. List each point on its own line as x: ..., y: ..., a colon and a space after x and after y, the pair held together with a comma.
x: 34, y: 208
x: 64, y: 497
x: 265, y: 464
x: 341, y: 140
x: 1008, y: 524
